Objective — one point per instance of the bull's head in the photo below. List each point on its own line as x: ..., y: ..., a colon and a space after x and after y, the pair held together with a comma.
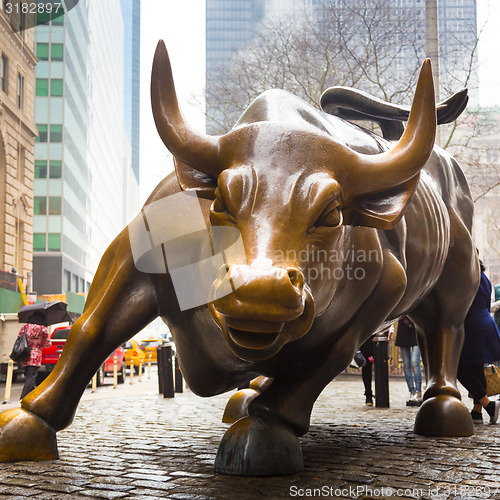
x: 288, y: 187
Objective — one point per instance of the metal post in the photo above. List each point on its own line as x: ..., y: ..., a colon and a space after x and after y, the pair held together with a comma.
x: 167, y: 377
x: 178, y: 376
x: 149, y: 365
x: 140, y: 370
x: 8, y: 381
x: 131, y: 370
x: 94, y: 382
x: 159, y: 364
x: 115, y: 371
x: 381, y: 371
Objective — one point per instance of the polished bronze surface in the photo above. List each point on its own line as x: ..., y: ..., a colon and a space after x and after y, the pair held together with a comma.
x: 324, y: 234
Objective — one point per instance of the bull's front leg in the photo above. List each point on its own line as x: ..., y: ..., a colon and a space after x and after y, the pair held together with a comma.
x: 120, y: 303
x: 266, y: 441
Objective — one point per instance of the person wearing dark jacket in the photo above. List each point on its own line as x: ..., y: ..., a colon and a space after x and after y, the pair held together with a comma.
x: 406, y: 340
x: 481, y: 345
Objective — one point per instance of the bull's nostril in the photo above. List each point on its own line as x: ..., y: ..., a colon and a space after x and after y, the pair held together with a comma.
x: 296, y: 278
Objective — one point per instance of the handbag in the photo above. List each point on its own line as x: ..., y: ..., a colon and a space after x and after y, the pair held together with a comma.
x: 492, y: 374
x: 21, y: 349
x: 358, y: 361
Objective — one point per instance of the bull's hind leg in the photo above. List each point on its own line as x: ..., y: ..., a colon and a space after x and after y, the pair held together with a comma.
x: 439, y: 321
x: 121, y: 302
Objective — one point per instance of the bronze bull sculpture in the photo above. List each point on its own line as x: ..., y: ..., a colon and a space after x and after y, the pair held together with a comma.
x: 319, y: 233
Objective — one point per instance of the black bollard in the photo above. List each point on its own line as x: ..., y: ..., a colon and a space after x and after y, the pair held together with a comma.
x: 165, y: 372
x: 178, y: 376
x: 381, y: 363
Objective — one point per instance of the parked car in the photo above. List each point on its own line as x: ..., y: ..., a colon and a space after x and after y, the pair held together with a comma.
x: 51, y: 354
x: 149, y: 347
x: 134, y: 353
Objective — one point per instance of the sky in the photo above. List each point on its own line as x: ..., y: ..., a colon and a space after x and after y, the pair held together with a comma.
x: 181, y: 24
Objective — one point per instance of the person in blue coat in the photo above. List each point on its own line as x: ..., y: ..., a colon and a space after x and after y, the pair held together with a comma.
x: 481, y: 345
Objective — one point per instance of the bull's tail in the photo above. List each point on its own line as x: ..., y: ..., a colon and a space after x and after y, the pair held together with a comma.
x: 354, y: 105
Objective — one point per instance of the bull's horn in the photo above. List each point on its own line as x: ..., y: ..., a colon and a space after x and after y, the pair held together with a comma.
x: 199, y: 151
x: 375, y: 173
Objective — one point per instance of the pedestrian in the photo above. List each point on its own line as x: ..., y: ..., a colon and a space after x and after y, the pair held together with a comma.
x: 38, y: 338
x: 481, y: 345
x: 406, y: 340
x: 367, y: 370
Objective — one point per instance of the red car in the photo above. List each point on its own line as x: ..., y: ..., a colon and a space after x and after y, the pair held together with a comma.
x: 50, y: 356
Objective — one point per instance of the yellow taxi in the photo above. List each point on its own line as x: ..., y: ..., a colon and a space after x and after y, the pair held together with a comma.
x: 149, y: 347
x: 134, y: 353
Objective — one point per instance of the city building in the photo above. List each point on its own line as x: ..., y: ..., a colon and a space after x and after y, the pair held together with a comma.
x: 131, y: 10
x: 232, y: 24
x: 17, y: 145
x: 83, y: 176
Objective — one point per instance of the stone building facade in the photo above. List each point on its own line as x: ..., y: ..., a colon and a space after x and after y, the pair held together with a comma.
x: 17, y: 143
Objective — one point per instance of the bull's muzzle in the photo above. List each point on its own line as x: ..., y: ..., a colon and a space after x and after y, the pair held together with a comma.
x: 266, y: 308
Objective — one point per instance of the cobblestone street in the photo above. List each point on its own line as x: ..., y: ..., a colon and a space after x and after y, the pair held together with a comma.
x: 133, y: 443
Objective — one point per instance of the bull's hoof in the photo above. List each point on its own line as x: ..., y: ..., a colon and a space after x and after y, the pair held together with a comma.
x: 257, y: 447
x: 24, y: 436
x: 443, y: 416
x: 237, y: 406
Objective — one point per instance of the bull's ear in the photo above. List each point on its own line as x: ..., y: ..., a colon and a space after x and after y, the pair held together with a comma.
x: 382, y: 210
x: 191, y: 179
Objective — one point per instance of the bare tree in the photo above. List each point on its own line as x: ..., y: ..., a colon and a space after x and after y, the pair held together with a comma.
x: 367, y: 45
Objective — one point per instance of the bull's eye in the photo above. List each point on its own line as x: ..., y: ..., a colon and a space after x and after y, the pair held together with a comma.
x: 329, y: 218
x: 219, y: 209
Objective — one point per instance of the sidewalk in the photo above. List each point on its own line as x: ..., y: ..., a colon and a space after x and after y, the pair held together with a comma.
x: 130, y: 442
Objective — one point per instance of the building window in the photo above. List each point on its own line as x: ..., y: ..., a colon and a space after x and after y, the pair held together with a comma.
x: 56, y: 133
x: 40, y: 169
x: 57, y: 52
x: 55, y: 169
x: 40, y: 205
x: 58, y: 21
x: 42, y: 87
x: 3, y: 73
x: 42, y: 17
x: 54, y: 242
x: 54, y: 205
x: 39, y: 242
x: 21, y: 153
x: 20, y: 90
x: 42, y: 51
x: 18, y: 246
x: 56, y: 87
x: 67, y: 281
x: 42, y: 133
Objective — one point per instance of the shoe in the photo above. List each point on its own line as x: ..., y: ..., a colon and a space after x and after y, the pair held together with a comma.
x: 410, y: 400
x: 418, y: 398
x: 415, y: 399
x: 369, y: 401
x: 493, y: 409
x: 477, y: 418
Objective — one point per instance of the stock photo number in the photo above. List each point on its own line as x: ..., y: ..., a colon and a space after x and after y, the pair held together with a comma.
x: 34, y: 8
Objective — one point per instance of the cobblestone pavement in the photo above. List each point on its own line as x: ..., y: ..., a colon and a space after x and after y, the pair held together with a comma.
x: 132, y: 443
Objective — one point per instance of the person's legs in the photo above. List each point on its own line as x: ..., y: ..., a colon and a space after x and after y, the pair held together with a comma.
x: 406, y: 356
x: 30, y: 373
x: 415, y: 368
x: 366, y: 371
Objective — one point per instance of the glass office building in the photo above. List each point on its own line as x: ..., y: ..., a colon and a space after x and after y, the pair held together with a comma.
x: 131, y: 10
x: 231, y: 24
x: 82, y: 154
